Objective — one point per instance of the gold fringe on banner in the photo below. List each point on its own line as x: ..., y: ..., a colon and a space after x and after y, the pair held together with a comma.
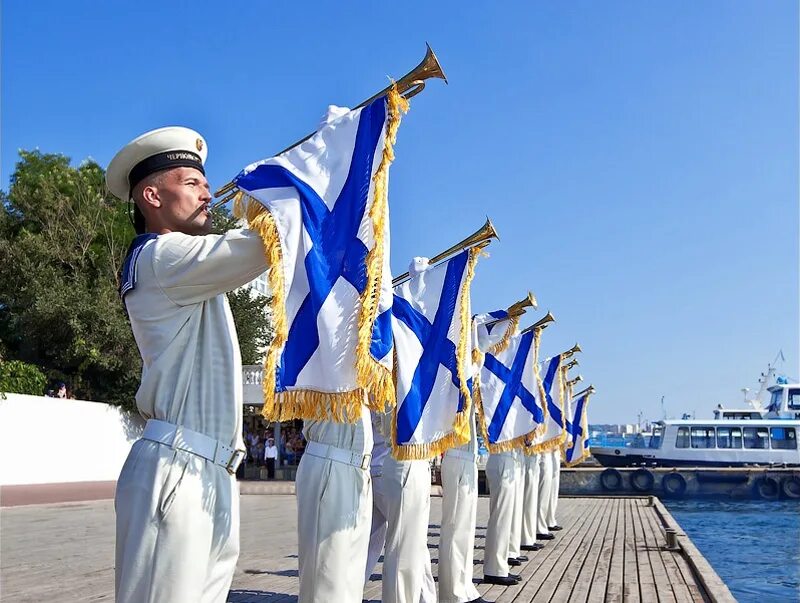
x: 502, y: 345
x: 460, y: 434
x: 371, y: 377
x: 370, y: 374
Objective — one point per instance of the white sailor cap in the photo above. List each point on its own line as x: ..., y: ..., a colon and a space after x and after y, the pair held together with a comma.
x: 154, y: 151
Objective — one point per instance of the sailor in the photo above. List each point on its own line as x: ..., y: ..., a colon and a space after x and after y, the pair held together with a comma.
x: 401, y: 511
x: 530, y: 504
x: 334, y: 509
x: 515, y: 556
x: 501, y: 474
x: 177, y: 500
x: 545, y: 493
x: 459, y: 515
x: 552, y: 524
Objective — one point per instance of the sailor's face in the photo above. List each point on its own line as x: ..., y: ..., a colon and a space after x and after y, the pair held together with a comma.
x: 185, y: 197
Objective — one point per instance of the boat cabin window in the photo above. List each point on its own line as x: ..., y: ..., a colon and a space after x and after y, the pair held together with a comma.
x: 776, y: 400
x: 756, y: 437
x: 682, y: 439
x: 729, y: 437
x: 794, y: 399
x: 703, y: 437
x: 783, y: 438
x: 740, y: 416
x: 655, y: 439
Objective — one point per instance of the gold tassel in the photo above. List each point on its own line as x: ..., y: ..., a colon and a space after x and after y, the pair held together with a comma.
x: 502, y: 345
x: 370, y: 374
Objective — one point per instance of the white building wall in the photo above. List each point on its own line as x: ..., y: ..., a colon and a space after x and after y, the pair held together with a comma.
x: 52, y: 440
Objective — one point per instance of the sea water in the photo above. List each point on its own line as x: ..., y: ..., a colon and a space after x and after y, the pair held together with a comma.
x: 754, y: 546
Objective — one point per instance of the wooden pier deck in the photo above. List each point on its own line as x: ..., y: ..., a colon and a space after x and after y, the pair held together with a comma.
x: 611, y: 549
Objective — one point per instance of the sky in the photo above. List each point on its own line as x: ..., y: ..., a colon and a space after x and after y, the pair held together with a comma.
x: 638, y: 159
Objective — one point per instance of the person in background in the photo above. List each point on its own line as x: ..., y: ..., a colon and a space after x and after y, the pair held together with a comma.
x: 270, y: 456
x: 61, y: 390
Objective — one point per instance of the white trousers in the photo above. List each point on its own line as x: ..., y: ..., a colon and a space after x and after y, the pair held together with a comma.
x: 501, y: 474
x: 554, y: 485
x: 545, y: 489
x: 515, y: 538
x: 334, y: 508
x: 403, y: 496
x: 177, y: 527
x: 377, y: 534
x: 530, y: 505
x: 457, y: 536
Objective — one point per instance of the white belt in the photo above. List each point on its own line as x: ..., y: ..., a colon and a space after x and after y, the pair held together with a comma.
x: 178, y: 437
x: 461, y: 454
x: 340, y: 455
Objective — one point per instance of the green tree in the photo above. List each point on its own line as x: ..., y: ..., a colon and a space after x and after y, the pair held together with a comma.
x: 63, y: 239
x: 249, y: 316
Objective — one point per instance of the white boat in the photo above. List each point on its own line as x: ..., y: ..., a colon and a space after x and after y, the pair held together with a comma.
x: 754, y: 435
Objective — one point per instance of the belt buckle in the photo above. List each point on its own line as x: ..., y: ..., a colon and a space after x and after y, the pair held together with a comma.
x: 365, y: 461
x: 233, y: 463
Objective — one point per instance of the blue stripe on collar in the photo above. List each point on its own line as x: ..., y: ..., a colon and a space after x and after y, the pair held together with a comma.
x: 128, y: 280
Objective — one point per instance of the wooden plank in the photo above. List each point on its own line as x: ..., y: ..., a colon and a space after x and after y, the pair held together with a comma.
x: 647, y: 581
x: 539, y: 586
x: 589, y: 573
x: 597, y: 590
x: 579, y: 563
x: 630, y: 577
x: 665, y: 559
x: 615, y: 580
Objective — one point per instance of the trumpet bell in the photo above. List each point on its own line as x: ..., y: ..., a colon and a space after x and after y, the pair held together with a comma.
x: 518, y: 308
x: 413, y: 82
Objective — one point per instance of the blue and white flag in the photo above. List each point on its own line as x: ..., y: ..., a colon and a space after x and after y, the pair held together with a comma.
x: 510, y: 410
x: 432, y: 333
x: 577, y: 445
x: 321, y: 209
x: 552, y: 381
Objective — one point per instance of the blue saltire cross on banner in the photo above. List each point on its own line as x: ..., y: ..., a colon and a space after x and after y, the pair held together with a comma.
x: 326, y: 228
x: 433, y: 388
x: 511, y: 410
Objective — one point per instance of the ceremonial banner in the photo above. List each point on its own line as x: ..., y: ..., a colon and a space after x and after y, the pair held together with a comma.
x: 554, y: 434
x: 510, y: 410
x: 577, y: 449
x: 321, y: 209
x: 431, y: 325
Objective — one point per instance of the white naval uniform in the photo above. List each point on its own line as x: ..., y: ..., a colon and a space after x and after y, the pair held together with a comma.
x: 545, y: 491
x: 554, y: 486
x: 334, y: 509
x: 459, y: 516
x: 515, y: 538
x: 501, y: 470
x: 530, y: 505
x: 401, y: 493
x: 177, y: 514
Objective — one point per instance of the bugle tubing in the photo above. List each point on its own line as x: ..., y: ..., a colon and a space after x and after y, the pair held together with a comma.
x: 516, y: 309
x: 588, y: 390
x: 409, y: 85
x: 571, y: 364
x: 572, y: 382
x: 572, y: 351
x: 480, y: 238
x: 541, y: 324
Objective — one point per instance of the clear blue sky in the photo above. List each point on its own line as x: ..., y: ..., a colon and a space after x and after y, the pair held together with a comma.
x: 639, y: 159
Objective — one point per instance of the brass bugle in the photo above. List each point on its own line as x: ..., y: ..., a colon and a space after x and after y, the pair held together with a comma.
x: 571, y: 364
x: 541, y: 324
x: 572, y: 382
x: 409, y: 85
x: 480, y: 238
x: 588, y: 390
x: 516, y: 309
x: 572, y: 351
